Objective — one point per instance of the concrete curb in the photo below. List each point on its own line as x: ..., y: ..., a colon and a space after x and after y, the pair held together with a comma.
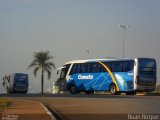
x: 56, y: 114
x: 48, y: 112
x: 45, y: 108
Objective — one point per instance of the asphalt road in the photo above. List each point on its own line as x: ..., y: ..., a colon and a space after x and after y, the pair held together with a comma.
x: 99, y: 107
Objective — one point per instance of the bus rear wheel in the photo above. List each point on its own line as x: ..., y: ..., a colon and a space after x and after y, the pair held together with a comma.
x: 73, y: 89
x: 113, y: 90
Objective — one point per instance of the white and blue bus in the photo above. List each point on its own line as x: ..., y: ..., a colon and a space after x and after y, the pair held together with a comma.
x: 114, y: 75
x: 16, y: 83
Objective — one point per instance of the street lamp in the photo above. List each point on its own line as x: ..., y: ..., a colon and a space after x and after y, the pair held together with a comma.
x: 124, y: 30
x: 88, y: 52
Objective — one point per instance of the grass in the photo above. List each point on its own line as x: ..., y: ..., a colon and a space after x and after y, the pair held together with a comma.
x: 4, y: 103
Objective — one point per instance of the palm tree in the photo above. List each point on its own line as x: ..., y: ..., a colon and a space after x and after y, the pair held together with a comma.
x: 42, y: 62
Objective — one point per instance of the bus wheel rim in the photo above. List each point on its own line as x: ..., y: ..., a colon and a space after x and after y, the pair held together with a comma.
x: 113, y: 89
x: 73, y: 89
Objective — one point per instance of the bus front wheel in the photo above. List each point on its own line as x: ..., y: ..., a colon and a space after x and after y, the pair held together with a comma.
x: 113, y: 90
x: 73, y: 90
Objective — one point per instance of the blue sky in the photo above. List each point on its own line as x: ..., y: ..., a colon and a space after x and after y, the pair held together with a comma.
x: 67, y: 28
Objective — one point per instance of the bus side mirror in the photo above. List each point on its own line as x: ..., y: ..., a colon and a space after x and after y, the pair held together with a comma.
x: 59, y: 69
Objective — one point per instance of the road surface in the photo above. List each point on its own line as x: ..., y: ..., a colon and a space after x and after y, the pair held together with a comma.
x: 101, y: 107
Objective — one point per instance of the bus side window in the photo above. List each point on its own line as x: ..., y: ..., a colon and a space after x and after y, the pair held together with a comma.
x: 109, y: 65
x: 75, y: 69
x: 126, y: 66
x: 95, y: 67
x: 89, y: 67
x: 117, y: 67
x: 85, y: 68
x: 131, y: 64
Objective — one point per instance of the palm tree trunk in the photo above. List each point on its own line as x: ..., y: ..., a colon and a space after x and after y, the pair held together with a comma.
x: 42, y: 80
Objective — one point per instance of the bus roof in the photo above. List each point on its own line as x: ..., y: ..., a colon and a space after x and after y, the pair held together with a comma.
x: 96, y: 60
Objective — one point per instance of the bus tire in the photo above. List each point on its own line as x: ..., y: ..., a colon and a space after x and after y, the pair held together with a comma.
x: 113, y: 90
x: 73, y: 89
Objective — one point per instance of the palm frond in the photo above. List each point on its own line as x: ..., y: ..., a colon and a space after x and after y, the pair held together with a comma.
x: 48, y: 58
x: 33, y: 63
x: 48, y: 67
x: 35, y: 71
x: 49, y: 73
x: 52, y: 64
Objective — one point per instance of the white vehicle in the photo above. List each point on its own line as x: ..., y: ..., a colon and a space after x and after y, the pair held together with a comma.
x: 114, y: 75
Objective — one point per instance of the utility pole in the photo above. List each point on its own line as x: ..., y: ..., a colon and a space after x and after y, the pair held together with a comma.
x: 124, y: 30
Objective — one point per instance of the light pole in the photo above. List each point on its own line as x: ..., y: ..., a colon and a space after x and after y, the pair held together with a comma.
x: 87, y: 51
x: 124, y: 30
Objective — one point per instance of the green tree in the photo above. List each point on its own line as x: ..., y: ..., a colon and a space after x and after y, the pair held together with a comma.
x: 42, y: 61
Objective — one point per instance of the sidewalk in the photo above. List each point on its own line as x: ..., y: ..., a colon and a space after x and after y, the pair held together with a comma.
x: 24, y: 110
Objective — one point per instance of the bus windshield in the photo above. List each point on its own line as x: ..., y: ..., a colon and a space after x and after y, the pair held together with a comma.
x: 21, y: 78
x: 147, y: 66
x: 64, y: 71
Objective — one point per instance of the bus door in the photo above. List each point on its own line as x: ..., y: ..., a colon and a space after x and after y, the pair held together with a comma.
x: 62, y: 81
